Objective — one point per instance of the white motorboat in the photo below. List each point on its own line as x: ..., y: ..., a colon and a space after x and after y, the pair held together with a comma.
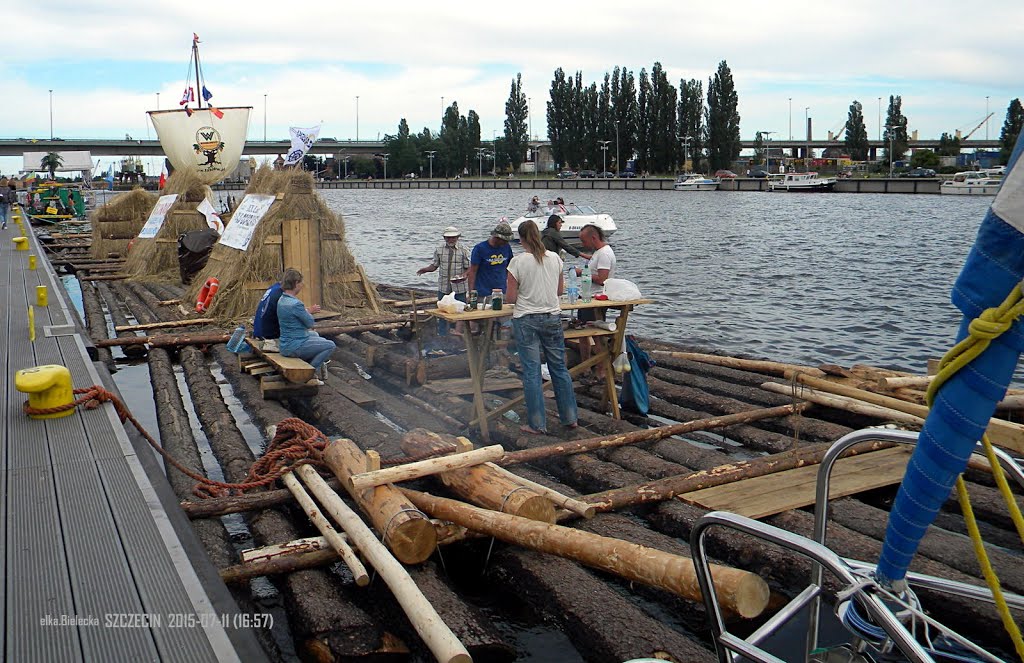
x: 574, y: 217
x: 971, y: 183
x: 810, y: 182
x: 695, y: 182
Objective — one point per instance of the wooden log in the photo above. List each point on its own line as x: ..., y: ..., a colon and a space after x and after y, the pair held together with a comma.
x: 407, y: 368
x: 608, y: 441
x: 1001, y: 432
x: 742, y: 592
x: 105, y: 277
x: 486, y: 485
x: 843, y: 403
x: 166, y: 340
x: 408, y: 471
x: 405, y: 529
x: 578, y: 507
x: 96, y: 323
x: 405, y: 412
x: 336, y: 541
x: 759, y: 366
x: 118, y: 318
x: 439, y: 639
x: 897, y: 382
x: 166, y: 324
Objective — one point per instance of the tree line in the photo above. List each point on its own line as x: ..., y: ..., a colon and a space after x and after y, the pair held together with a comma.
x: 642, y: 120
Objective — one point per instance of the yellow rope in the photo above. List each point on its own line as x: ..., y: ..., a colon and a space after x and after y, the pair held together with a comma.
x: 989, y: 325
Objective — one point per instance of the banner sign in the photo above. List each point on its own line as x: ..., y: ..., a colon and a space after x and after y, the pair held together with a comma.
x: 156, y: 217
x: 302, y: 140
x: 247, y: 216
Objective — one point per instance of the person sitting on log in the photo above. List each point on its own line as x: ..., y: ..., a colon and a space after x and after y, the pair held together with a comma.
x: 297, y: 336
x: 264, y: 322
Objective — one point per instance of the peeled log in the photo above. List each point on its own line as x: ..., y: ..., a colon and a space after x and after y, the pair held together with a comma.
x: 407, y: 531
x: 422, y: 468
x: 740, y: 591
x: 758, y: 366
x: 484, y: 485
x: 118, y: 318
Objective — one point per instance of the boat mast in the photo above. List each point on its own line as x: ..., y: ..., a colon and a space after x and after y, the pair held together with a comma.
x: 195, y: 57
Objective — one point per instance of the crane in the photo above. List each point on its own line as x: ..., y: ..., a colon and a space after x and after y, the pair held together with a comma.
x: 971, y: 132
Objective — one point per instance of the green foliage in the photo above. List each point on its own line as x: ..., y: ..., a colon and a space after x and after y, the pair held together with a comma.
x: 691, y: 118
x: 51, y: 161
x: 516, y: 126
x: 643, y: 123
x: 1012, y: 126
x: 405, y: 156
x: 723, y: 119
x: 924, y: 159
x: 949, y: 146
x: 896, y: 130
x: 856, y: 140
x: 759, y: 151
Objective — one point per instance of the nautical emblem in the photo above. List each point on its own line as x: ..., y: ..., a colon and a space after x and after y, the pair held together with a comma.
x: 209, y: 144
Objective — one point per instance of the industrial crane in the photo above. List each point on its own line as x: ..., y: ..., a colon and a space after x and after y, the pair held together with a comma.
x: 971, y: 132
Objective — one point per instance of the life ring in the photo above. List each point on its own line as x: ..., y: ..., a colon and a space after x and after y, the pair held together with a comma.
x: 206, y: 294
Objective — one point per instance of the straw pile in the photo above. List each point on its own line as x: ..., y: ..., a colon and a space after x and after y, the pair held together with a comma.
x: 157, y: 258
x: 119, y: 221
x: 245, y: 275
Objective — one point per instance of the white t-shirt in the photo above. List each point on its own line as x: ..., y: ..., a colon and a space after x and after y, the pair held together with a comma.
x: 603, y: 258
x: 538, y: 283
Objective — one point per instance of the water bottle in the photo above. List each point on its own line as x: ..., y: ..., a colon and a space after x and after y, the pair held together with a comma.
x: 572, y: 288
x: 237, y: 338
x: 587, y: 284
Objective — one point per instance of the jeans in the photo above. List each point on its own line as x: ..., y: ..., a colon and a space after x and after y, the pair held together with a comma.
x: 540, y: 335
x: 4, y: 212
x: 443, y: 325
x: 315, y: 349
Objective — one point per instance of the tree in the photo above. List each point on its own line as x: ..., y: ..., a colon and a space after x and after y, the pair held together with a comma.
x: 1012, y: 126
x: 723, y: 119
x: 557, y: 115
x: 405, y: 157
x: 51, y: 161
x: 664, y: 127
x: 451, y: 158
x: 856, y: 133
x: 624, y: 110
x: 759, y: 151
x: 949, y: 145
x: 896, y: 129
x: 516, y: 125
x: 691, y: 117
x: 643, y: 123
x: 924, y: 159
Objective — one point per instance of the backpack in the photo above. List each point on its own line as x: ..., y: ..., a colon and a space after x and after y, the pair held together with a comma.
x: 635, y: 395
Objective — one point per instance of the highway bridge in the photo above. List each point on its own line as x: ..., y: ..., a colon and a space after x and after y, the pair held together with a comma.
x: 331, y: 146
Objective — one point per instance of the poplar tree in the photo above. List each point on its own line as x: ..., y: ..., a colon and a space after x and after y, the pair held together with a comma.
x: 643, y: 123
x: 557, y: 110
x: 723, y: 119
x: 856, y: 140
x: 1012, y: 126
x: 516, y: 125
x: 896, y: 129
x: 624, y: 110
x: 691, y: 118
x: 664, y: 127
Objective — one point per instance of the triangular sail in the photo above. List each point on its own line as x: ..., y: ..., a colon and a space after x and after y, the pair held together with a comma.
x: 200, y: 142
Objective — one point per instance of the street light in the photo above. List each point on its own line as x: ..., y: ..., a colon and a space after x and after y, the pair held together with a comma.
x: 357, y: 120
x: 386, y: 155
x: 529, y: 119
x: 604, y: 148
x: 480, y: 158
x: 430, y: 155
x: 986, y: 117
x: 345, y: 161
x: 879, y: 119
x: 264, y: 118
x: 767, y: 151
x: 618, y: 167
x: 807, y: 140
x: 791, y: 118
x: 51, y: 114
x: 892, y: 132
x: 158, y: 101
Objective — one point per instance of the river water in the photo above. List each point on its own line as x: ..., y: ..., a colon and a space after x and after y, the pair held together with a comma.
x: 839, y: 278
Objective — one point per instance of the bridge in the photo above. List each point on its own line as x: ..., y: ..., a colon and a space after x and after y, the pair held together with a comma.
x: 331, y: 146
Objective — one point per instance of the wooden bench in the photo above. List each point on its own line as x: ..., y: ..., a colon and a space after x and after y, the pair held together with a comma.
x: 280, y: 376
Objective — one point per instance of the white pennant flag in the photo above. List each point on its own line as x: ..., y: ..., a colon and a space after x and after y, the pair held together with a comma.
x: 302, y: 140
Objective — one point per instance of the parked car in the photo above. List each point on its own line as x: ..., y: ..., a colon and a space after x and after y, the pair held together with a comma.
x: 606, y: 175
x: 627, y: 173
x: 566, y: 175
x: 588, y: 174
x: 759, y: 173
x: 725, y: 174
x: 921, y: 172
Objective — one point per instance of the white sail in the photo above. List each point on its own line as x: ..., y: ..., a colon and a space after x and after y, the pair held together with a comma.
x: 203, y: 143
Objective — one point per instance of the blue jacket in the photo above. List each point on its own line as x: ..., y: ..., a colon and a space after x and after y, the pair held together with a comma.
x: 264, y: 323
x: 295, y: 322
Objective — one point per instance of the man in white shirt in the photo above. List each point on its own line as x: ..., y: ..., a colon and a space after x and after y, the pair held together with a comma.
x: 602, y: 268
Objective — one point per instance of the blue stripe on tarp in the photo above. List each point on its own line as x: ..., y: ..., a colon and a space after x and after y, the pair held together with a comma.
x: 966, y: 402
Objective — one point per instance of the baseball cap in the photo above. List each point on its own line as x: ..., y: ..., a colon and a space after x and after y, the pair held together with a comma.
x: 451, y: 231
x: 502, y: 231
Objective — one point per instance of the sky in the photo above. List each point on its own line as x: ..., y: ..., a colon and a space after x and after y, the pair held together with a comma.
x: 302, y: 63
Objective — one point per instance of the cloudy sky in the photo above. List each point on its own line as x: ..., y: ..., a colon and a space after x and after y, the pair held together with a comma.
x: 305, y: 62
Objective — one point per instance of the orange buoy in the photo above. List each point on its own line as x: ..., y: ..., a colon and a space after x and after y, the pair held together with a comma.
x: 206, y: 294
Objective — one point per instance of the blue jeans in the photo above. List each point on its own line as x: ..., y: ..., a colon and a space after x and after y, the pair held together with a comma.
x: 4, y: 211
x: 315, y: 349
x: 539, y: 335
x: 443, y: 325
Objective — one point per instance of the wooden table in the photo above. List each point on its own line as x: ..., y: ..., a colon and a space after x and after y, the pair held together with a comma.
x: 478, y: 347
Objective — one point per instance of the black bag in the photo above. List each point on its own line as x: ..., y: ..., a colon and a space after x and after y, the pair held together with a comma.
x: 193, y: 251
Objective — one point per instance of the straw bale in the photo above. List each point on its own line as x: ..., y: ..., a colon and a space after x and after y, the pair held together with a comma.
x: 117, y: 222
x: 155, y: 258
x: 245, y: 275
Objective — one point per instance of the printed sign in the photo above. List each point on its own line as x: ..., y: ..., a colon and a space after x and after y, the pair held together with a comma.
x: 243, y: 222
x: 156, y: 217
x: 302, y: 140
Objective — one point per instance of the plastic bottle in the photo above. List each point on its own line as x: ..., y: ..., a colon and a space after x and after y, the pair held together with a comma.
x: 572, y: 287
x: 587, y: 285
x: 237, y: 338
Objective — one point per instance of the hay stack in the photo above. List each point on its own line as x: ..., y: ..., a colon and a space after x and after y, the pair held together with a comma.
x: 157, y: 257
x: 119, y: 221
x: 245, y: 275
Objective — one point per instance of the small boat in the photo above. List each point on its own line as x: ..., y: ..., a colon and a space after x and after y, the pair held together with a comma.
x: 802, y: 182
x: 574, y: 217
x: 695, y: 182
x: 971, y: 183
x: 52, y: 203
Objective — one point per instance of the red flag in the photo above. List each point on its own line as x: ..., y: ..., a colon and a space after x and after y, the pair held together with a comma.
x: 195, y: 38
x: 163, y: 180
x: 188, y: 111
x: 217, y: 112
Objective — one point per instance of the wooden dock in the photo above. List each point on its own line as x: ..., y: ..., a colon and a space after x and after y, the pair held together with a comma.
x: 99, y: 564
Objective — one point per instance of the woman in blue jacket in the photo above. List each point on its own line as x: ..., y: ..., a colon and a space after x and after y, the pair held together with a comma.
x: 297, y: 336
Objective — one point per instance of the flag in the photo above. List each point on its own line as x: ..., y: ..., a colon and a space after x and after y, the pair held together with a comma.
x: 163, y: 179
x: 195, y: 38
x: 110, y: 177
x: 302, y: 140
x: 188, y: 95
x: 188, y: 111
x: 218, y: 113
x: 207, y: 95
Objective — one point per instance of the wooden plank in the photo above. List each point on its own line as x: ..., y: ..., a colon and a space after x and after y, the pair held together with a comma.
x: 463, y: 386
x: 250, y: 366
x: 261, y: 370
x: 352, y: 277
x: 272, y: 239
x: 167, y: 324
x: 587, y: 332
x: 273, y: 389
x: 314, y: 280
x: 291, y: 369
x: 295, y: 251
x: 358, y: 397
x: 768, y: 495
x: 368, y: 289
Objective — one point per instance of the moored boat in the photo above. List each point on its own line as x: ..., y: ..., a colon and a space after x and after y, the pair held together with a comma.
x: 971, y: 183
x: 52, y: 202
x: 574, y: 217
x: 695, y: 182
x: 802, y: 182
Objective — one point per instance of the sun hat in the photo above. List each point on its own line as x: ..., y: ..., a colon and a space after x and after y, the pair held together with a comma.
x: 451, y: 231
x: 502, y: 231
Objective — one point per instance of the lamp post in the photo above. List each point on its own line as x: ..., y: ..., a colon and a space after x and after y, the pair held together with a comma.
x: 791, y: 118
x: 357, y: 119
x: 494, y: 151
x: 767, y: 151
x: 442, y: 109
x: 51, y: 114
x: 264, y: 118
x: 430, y: 155
x: 807, y: 140
x: 480, y: 159
x: 604, y: 148
x: 986, y: 117
x: 529, y: 118
x: 892, y: 132
x: 345, y: 161
x: 879, y: 119
x: 158, y: 101
x: 617, y: 162
x: 386, y: 155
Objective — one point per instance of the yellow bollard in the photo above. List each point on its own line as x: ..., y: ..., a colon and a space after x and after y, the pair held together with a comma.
x: 32, y: 262
x: 31, y: 323
x: 20, y: 243
x: 41, y: 298
x: 47, y: 387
